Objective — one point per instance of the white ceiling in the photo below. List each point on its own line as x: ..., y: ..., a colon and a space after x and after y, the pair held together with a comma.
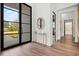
x: 57, y: 6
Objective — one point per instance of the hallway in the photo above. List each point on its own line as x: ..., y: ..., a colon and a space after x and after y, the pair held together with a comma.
x: 63, y: 48
x: 67, y: 40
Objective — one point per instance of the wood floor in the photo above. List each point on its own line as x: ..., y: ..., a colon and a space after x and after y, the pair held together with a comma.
x: 62, y: 48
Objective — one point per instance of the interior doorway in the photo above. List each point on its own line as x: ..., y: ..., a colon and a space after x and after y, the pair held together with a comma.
x: 68, y: 27
x: 67, y: 39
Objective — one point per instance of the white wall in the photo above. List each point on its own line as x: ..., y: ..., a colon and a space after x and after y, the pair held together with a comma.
x: 41, y: 10
x: 33, y: 19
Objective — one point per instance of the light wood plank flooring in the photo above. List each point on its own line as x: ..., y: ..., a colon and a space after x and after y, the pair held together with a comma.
x: 62, y: 48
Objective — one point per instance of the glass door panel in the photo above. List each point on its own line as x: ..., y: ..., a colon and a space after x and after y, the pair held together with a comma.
x: 25, y: 37
x: 11, y: 24
x: 25, y: 23
x: 25, y: 18
x: 25, y: 9
x: 25, y: 28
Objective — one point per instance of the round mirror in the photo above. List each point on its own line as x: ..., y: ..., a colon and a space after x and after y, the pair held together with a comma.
x: 40, y: 23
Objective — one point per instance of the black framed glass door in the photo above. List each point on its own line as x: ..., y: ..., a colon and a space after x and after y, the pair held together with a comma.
x: 16, y: 24
x: 25, y: 23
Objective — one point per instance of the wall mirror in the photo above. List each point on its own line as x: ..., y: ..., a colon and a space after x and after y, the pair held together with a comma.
x: 40, y: 23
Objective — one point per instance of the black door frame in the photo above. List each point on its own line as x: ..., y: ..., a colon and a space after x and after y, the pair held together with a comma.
x: 71, y: 20
x: 20, y: 26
